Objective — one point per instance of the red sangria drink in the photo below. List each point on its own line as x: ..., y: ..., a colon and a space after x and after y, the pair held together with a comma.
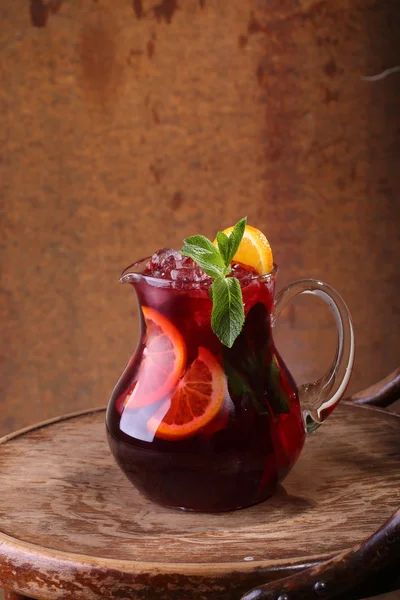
x: 194, y: 422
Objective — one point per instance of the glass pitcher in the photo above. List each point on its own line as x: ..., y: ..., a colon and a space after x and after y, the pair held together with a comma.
x: 200, y: 426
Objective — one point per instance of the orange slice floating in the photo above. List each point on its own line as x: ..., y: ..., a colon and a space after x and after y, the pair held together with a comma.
x: 254, y: 250
x: 164, y: 361
x: 197, y: 399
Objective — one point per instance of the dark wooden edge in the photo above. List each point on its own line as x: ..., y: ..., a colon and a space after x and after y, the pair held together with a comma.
x: 35, y: 572
x: 10, y: 546
x: 52, y: 421
x: 340, y: 574
x: 381, y: 394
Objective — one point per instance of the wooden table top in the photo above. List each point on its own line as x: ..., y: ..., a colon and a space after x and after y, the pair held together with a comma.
x: 65, y: 502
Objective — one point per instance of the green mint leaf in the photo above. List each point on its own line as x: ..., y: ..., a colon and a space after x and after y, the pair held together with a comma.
x: 236, y: 237
x: 205, y: 254
x: 227, y: 316
x: 223, y: 247
x: 228, y: 312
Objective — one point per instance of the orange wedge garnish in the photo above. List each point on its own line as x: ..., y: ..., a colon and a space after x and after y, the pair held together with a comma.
x: 197, y: 399
x: 254, y: 250
x: 164, y: 360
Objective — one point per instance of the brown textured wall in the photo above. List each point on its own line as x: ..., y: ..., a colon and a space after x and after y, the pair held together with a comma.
x: 126, y: 126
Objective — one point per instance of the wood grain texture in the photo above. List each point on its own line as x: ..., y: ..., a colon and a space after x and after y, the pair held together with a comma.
x: 383, y: 393
x: 83, y: 519
x: 127, y: 126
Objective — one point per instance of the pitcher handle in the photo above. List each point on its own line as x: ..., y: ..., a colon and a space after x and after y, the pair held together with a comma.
x: 319, y: 398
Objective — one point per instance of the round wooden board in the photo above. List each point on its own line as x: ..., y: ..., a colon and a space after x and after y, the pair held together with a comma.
x: 70, y: 520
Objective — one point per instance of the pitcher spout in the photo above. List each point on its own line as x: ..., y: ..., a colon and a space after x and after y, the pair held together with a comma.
x: 130, y: 274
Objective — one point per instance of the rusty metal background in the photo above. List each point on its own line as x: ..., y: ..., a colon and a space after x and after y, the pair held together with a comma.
x: 126, y: 126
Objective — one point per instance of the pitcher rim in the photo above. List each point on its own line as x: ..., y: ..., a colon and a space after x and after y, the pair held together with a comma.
x: 169, y: 283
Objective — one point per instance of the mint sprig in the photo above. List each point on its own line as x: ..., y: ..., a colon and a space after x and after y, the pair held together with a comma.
x: 227, y: 316
x: 205, y: 254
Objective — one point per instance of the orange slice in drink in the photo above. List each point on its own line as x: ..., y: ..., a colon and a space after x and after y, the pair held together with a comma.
x: 164, y: 360
x: 254, y: 250
x: 197, y: 399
